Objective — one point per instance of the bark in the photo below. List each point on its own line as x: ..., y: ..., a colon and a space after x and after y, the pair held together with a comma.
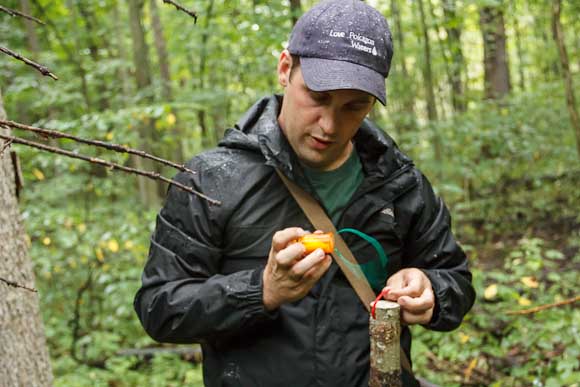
x: 24, y: 359
x: 161, y: 48
x: 149, y: 191
x: 427, y: 71
x: 295, y: 10
x: 122, y: 73
x: 453, y: 31
x: 88, y: 21
x: 495, y: 60
x: 519, y: 51
x: 31, y: 36
x: 407, y: 100
x: 385, y: 332
x: 558, y: 34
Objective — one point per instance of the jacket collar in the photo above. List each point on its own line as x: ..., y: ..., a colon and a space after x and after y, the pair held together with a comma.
x: 258, y: 130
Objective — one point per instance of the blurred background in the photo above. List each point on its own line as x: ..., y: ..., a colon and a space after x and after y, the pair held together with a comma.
x: 482, y: 95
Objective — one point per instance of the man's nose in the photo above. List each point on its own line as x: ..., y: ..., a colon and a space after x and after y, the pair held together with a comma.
x: 328, y: 121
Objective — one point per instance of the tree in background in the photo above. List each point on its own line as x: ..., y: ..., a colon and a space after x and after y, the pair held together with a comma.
x: 24, y: 359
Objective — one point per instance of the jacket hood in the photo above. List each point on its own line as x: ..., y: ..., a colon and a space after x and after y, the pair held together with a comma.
x: 258, y: 131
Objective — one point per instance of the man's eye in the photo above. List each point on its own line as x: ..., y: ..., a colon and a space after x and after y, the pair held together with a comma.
x: 318, y: 97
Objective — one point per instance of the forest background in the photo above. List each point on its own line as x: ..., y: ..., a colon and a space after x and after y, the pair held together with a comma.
x: 480, y: 95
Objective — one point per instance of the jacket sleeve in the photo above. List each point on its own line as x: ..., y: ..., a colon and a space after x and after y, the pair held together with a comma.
x: 431, y: 247
x: 183, y: 297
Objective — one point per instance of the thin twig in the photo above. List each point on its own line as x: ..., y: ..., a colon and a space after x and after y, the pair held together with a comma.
x: 182, y: 8
x: 112, y: 166
x: 43, y: 69
x: 15, y: 285
x: 546, y: 306
x: 6, y: 145
x: 13, y: 12
x: 102, y: 144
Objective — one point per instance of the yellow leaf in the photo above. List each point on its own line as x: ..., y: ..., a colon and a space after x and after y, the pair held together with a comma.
x: 57, y: 269
x: 84, y: 259
x: 113, y: 245
x: 171, y: 119
x: 523, y: 301
x: 128, y: 245
x: 99, y: 254
x: 490, y: 292
x: 106, y: 267
x: 46, y: 241
x: 28, y: 240
x: 469, y: 370
x: 109, y: 136
x: 530, y: 282
x: 38, y: 174
x: 72, y: 264
x: 463, y: 338
x: 82, y: 228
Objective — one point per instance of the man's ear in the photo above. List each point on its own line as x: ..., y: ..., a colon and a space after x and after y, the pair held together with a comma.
x: 284, y: 68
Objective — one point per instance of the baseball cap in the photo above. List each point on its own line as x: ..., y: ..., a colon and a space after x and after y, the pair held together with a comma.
x: 343, y: 44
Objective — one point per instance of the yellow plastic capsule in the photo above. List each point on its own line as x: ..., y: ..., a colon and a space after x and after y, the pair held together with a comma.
x: 313, y: 241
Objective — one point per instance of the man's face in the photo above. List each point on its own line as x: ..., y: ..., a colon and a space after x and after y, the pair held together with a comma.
x: 319, y: 125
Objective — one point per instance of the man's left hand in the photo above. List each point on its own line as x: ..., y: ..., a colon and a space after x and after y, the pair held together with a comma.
x: 412, y: 290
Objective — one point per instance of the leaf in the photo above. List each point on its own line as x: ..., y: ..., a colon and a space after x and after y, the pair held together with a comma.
x: 463, y: 338
x: 113, y: 245
x: 38, y: 174
x: 530, y: 282
x: 99, y: 254
x: 490, y: 292
x: 46, y: 241
x: 523, y: 301
x: 170, y: 119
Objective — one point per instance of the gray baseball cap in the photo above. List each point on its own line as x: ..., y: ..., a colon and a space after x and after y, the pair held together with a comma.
x: 343, y: 44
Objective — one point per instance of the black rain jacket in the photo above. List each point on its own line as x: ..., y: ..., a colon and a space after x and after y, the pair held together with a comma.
x: 203, y: 280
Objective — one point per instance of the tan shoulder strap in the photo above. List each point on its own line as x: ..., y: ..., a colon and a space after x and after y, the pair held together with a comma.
x: 345, y: 260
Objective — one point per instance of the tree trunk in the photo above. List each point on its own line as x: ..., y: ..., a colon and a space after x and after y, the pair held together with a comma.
x: 558, y: 34
x: 427, y: 71
x: 122, y: 73
x: 295, y: 10
x: 495, y: 60
x: 24, y: 359
x: 519, y: 50
x: 149, y: 190
x: 31, y: 36
x: 453, y: 30
x: 161, y: 48
x: 407, y: 100
x: 208, y: 138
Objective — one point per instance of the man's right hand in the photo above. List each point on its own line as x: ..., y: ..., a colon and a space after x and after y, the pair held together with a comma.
x: 288, y: 275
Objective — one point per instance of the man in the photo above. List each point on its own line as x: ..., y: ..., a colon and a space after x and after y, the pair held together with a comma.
x: 231, y: 277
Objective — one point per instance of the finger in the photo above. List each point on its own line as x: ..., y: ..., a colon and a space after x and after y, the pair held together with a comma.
x: 410, y: 318
x: 312, y: 259
x: 316, y: 272
x: 281, y: 238
x: 412, y: 286
x: 417, y: 305
x: 287, y: 256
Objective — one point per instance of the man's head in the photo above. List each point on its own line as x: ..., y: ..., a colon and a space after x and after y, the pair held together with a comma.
x: 344, y: 49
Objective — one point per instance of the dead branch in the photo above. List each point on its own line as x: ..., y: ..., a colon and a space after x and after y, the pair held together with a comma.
x: 43, y: 69
x: 13, y: 12
x: 112, y: 166
x: 546, y: 306
x: 101, y: 144
x: 182, y: 8
x: 16, y: 285
x: 4, y: 146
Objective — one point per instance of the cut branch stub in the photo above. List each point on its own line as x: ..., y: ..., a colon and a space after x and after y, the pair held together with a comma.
x: 385, y: 333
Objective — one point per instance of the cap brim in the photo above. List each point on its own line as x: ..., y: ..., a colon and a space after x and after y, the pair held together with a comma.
x: 325, y: 74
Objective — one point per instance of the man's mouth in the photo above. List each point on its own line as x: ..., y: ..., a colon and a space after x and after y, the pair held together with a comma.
x: 319, y: 143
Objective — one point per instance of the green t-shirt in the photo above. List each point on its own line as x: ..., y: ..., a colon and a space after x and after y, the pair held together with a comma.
x: 335, y: 189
